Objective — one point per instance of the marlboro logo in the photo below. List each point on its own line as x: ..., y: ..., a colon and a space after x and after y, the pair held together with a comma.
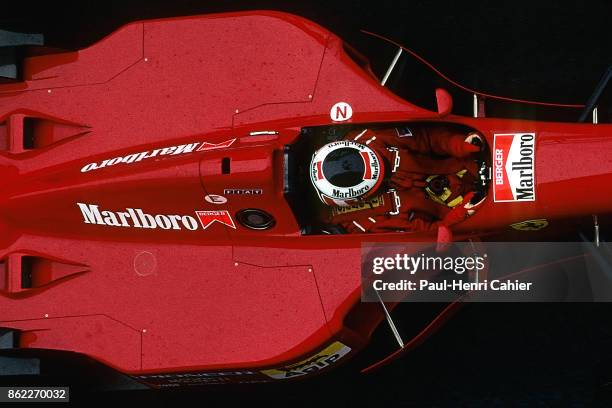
x: 514, y: 167
x: 163, y: 151
x: 138, y: 218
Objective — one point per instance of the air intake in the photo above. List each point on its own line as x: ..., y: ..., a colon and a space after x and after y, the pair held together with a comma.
x: 23, y: 273
x: 21, y: 132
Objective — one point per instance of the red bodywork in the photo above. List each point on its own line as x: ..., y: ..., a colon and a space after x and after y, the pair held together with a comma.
x: 153, y: 300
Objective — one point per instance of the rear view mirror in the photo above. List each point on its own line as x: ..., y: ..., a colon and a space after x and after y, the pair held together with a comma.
x: 444, y: 101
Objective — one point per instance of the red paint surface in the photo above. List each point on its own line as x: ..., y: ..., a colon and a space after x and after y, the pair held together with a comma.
x: 167, y: 300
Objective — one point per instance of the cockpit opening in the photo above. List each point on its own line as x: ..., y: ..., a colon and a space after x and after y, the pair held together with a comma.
x: 376, y: 178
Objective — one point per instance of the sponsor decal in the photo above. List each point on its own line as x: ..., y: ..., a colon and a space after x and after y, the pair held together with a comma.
x: 341, y: 112
x: 137, y: 218
x: 201, y: 378
x: 514, y: 167
x: 215, y: 199
x: 365, y: 205
x: 164, y: 151
x: 317, y: 362
x: 207, y: 218
x: 530, y: 225
x: 243, y: 191
x: 350, y: 192
x: 212, y: 146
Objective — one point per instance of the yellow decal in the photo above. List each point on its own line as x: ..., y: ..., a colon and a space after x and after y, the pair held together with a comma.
x: 530, y: 225
x: 366, y: 205
x: 317, y: 362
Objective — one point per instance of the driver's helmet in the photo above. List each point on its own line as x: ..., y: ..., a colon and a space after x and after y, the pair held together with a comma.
x: 344, y: 173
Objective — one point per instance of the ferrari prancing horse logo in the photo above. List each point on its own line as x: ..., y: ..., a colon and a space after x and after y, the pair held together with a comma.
x: 530, y: 225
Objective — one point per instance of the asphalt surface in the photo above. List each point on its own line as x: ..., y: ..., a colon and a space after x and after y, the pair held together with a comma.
x: 490, y: 354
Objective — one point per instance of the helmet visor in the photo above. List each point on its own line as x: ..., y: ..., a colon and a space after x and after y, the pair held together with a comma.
x: 344, y: 167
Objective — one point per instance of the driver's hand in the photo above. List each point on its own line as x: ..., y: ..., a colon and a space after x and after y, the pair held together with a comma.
x: 459, y: 212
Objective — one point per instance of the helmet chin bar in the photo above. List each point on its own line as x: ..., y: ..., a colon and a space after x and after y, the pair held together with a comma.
x: 336, y: 202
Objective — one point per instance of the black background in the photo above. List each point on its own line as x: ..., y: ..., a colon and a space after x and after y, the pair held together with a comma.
x: 490, y: 354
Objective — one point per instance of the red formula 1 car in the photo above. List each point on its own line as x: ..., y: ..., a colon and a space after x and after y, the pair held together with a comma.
x: 157, y: 216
